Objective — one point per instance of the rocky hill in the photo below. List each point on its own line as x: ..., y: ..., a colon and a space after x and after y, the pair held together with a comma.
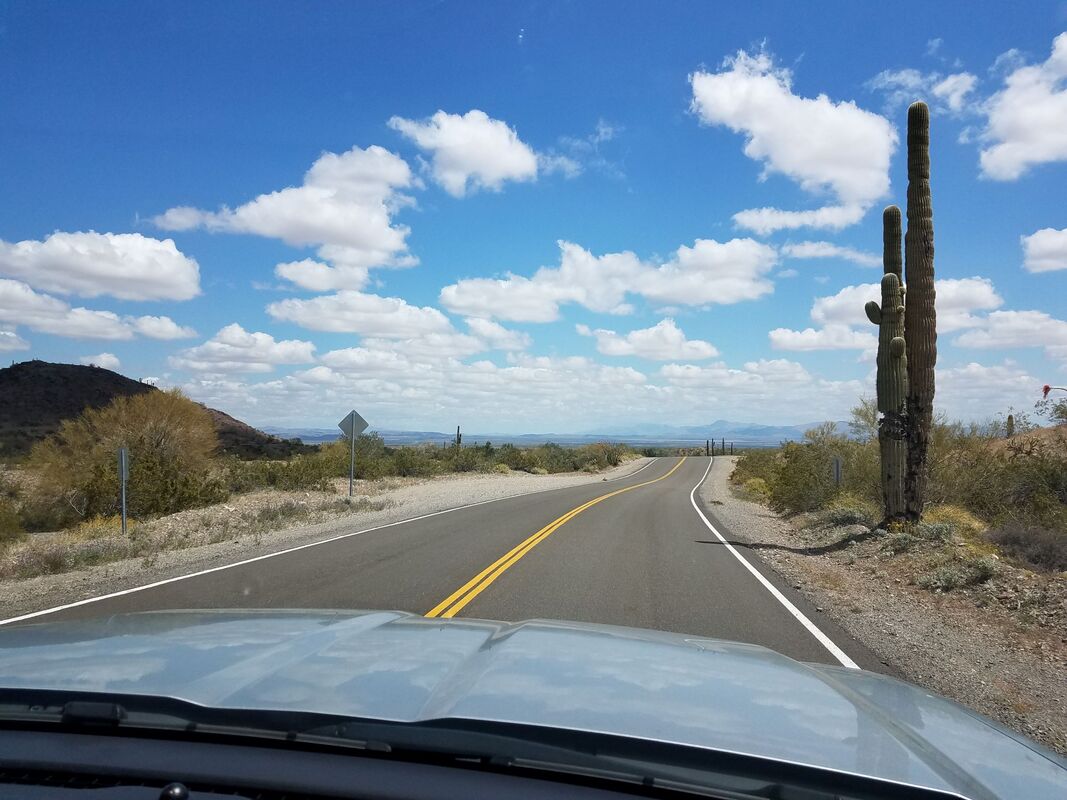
x: 36, y: 396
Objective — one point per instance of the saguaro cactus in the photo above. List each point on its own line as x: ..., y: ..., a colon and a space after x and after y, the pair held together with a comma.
x: 892, y: 370
x: 920, y: 318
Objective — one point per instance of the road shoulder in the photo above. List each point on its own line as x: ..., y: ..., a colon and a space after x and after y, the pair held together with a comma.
x: 939, y: 641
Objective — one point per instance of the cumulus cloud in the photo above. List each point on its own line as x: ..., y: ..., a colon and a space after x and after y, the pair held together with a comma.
x: 829, y: 337
x: 814, y: 250
x: 844, y: 151
x: 21, y: 305
x: 974, y: 391
x: 358, y: 312
x: 160, y: 328
x: 1025, y: 120
x: 844, y: 325
x: 958, y: 299
x: 317, y: 276
x: 942, y: 92
x: 471, y: 151
x: 496, y: 335
x: 708, y: 272
x: 89, y: 264
x: 1045, y: 250
x: 1009, y: 329
x: 233, y: 349
x: 105, y: 360
x: 344, y: 206
x: 11, y: 341
x: 664, y: 341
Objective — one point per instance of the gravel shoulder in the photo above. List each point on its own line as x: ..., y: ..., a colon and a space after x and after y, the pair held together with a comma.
x: 989, y: 648
x: 263, y: 522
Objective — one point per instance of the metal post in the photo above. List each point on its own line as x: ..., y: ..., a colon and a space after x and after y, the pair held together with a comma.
x: 707, y: 447
x: 724, y: 445
x: 124, y: 467
x: 731, y: 448
x: 351, y: 463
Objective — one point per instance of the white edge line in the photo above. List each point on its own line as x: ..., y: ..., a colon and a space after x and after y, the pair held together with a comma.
x: 811, y: 627
x: 177, y: 578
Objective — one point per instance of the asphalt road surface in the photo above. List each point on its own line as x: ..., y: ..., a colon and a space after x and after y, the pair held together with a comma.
x: 634, y: 551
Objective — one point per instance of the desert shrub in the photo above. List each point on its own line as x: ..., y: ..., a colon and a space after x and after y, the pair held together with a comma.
x: 414, y: 462
x: 959, y: 519
x: 756, y: 489
x: 803, y: 480
x: 171, y: 442
x: 754, y: 463
x: 850, y: 509
x: 953, y: 573
x: 1038, y: 548
x: 934, y: 531
x: 899, y: 542
x: 502, y: 469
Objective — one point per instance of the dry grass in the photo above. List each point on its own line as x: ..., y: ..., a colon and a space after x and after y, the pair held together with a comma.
x: 100, y: 540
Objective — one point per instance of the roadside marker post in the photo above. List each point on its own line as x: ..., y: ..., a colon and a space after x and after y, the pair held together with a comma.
x: 352, y: 426
x: 124, y: 474
x: 838, y: 464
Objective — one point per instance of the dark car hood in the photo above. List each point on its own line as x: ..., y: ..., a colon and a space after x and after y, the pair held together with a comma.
x: 645, y: 684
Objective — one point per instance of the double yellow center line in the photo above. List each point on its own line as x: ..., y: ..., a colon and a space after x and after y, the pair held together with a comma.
x: 456, y: 601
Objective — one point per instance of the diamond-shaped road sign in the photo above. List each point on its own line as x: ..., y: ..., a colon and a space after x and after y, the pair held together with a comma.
x: 353, y: 425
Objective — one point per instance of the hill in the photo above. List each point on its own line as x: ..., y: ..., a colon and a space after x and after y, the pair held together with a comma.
x: 36, y: 396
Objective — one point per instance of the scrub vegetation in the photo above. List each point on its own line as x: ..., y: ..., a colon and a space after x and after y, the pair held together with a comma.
x: 989, y: 496
x: 59, y: 509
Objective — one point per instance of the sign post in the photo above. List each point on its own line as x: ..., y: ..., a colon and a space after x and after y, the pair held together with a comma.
x: 352, y: 426
x: 124, y: 474
x: 838, y: 464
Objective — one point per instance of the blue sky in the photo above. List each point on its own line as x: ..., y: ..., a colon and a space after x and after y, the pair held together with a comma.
x: 546, y: 216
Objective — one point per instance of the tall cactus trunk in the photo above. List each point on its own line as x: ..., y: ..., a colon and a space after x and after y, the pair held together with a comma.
x: 892, y: 379
x: 920, y: 319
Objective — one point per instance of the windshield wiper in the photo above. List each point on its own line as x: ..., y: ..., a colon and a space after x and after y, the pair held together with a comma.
x: 479, y: 744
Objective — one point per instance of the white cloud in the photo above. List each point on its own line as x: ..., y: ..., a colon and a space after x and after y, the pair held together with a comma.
x: 319, y: 277
x: 124, y: 265
x: 471, y: 151
x: 977, y: 391
x: 367, y: 314
x: 496, y: 335
x: 664, y: 341
x: 1006, y: 329
x: 957, y: 301
x: 11, y: 341
x: 811, y: 250
x: 21, y: 305
x: 1025, y: 120
x: 707, y: 272
x: 344, y: 205
x: 233, y: 349
x: 1045, y: 250
x: 942, y: 92
x: 844, y: 150
x: 829, y: 337
x: 105, y: 360
x: 160, y: 328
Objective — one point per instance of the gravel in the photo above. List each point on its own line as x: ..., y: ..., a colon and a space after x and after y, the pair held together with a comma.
x: 981, y: 655
x: 251, y: 533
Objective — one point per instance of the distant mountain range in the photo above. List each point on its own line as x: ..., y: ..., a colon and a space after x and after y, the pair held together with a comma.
x: 740, y: 433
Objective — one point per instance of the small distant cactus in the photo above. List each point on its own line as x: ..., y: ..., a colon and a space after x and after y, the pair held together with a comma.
x: 1009, y: 426
x: 907, y: 335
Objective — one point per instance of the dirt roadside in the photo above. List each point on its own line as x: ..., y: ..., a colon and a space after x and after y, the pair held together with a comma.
x: 985, y: 647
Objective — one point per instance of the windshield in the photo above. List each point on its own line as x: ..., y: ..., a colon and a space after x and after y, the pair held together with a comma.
x: 718, y: 340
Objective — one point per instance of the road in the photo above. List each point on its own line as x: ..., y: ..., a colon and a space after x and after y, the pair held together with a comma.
x: 642, y: 551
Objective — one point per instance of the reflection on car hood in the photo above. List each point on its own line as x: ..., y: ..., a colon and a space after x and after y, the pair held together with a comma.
x: 646, y: 684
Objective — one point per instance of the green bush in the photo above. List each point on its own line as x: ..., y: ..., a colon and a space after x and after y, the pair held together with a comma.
x: 171, y: 443
x: 955, y: 573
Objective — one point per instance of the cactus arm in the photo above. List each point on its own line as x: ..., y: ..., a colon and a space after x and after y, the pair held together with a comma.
x: 874, y: 312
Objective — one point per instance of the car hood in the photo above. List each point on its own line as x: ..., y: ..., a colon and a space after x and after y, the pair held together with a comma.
x: 624, y: 681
